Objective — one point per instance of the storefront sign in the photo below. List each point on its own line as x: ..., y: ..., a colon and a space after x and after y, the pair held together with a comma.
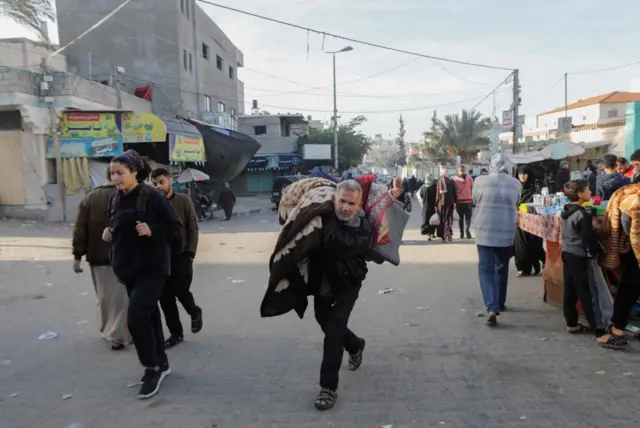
x: 143, y: 128
x: 85, y: 148
x: 183, y: 148
x: 273, y: 162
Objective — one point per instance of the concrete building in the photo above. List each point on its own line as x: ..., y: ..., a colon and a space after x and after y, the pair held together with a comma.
x: 27, y: 54
x: 597, y: 123
x: 171, y: 49
x: 278, y: 135
x: 27, y: 177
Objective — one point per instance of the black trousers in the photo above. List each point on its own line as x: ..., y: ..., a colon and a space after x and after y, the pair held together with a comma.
x: 144, y: 320
x: 577, y: 287
x: 628, y: 291
x: 178, y: 288
x: 332, y: 313
x: 464, y: 214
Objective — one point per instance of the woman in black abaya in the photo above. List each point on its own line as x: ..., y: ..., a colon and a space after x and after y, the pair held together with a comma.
x: 529, y: 250
x: 427, y: 195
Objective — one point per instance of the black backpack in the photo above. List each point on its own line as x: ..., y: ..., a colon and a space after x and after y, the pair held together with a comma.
x: 141, y: 203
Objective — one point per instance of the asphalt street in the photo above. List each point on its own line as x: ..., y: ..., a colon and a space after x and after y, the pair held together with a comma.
x: 430, y: 360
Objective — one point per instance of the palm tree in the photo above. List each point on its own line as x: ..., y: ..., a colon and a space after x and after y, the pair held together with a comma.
x: 29, y: 13
x: 460, y: 134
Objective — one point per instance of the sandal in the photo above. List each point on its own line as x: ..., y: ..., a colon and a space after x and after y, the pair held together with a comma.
x: 614, y: 342
x: 173, y: 341
x: 579, y: 329
x: 196, y: 322
x: 326, y: 399
x: 355, y: 360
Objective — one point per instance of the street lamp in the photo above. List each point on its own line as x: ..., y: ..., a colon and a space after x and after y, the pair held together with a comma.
x: 335, y: 105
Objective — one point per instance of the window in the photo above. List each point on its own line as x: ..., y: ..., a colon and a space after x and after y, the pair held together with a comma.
x: 221, y: 107
x: 219, y: 62
x: 233, y: 112
x: 205, y: 51
x: 260, y: 130
x: 207, y: 103
x: 187, y: 1
x: 612, y: 113
x: 185, y: 59
x: 190, y: 63
x: 231, y: 72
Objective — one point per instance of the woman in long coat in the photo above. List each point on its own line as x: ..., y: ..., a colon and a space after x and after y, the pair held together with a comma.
x: 446, y: 199
x: 529, y: 251
x: 427, y: 196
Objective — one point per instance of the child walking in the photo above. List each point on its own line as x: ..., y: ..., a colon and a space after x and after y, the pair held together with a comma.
x: 579, y: 247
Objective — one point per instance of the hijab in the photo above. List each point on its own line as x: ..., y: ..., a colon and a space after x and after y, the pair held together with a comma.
x: 429, y: 180
x: 528, y: 187
x: 500, y: 164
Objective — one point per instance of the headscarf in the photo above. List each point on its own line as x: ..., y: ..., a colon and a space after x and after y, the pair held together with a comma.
x: 500, y: 163
x: 134, y: 162
x: 529, y: 186
x: 429, y: 180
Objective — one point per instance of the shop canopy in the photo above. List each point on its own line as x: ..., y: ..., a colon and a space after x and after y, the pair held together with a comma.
x: 556, y: 151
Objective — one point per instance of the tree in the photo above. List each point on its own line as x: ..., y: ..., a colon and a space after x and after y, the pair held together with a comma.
x: 458, y: 134
x: 352, y: 143
x: 28, y: 13
x: 401, y: 156
x: 434, y: 147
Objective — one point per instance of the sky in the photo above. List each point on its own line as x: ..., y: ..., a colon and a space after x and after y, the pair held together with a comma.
x: 286, y: 70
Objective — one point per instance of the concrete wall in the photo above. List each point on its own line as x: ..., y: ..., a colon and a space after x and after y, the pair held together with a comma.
x: 149, y: 38
x: 272, y: 142
x: 27, y: 54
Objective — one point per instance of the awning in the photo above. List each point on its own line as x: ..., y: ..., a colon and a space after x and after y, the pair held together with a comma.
x: 594, y: 144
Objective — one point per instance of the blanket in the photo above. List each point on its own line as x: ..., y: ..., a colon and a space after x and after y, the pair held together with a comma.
x: 613, y: 239
x: 301, y: 209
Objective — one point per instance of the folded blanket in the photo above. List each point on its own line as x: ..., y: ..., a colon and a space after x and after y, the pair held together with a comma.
x: 301, y: 209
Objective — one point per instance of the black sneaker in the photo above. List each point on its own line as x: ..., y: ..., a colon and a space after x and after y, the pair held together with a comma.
x: 355, y: 360
x: 151, y: 382
x: 173, y: 341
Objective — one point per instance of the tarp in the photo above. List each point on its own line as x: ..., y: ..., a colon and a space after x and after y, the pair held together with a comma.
x: 227, y: 153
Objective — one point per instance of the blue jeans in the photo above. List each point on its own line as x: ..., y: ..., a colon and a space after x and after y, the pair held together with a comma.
x: 493, y: 273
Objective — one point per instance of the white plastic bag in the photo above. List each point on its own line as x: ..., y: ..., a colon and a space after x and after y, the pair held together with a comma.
x: 434, y: 220
x: 456, y: 217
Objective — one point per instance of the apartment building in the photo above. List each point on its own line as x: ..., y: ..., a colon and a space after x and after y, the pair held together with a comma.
x: 171, y: 52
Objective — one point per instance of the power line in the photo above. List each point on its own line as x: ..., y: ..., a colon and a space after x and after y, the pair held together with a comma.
x: 600, y: 70
x: 374, y: 45
x: 506, y: 80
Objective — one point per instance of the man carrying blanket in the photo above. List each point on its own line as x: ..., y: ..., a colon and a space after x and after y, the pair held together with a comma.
x: 340, y: 267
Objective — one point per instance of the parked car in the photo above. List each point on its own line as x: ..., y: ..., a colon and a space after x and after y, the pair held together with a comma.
x: 280, y: 184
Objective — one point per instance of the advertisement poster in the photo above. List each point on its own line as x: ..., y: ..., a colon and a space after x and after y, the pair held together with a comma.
x: 143, y: 128
x: 184, y: 148
x: 85, y: 148
x: 87, y: 134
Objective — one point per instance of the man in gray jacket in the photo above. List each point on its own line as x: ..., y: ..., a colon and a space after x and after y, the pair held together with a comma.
x: 496, y: 199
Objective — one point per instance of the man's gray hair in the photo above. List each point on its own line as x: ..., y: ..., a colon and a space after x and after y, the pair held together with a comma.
x: 351, y: 185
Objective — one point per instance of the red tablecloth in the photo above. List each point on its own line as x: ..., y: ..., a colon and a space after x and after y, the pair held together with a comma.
x: 547, y: 227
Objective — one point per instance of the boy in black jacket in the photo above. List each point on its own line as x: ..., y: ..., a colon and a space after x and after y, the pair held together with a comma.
x: 579, y: 246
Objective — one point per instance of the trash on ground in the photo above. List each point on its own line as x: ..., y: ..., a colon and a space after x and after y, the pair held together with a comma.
x: 442, y: 423
x: 83, y: 294
x: 481, y: 314
x: 82, y: 322
x: 133, y: 385
x: 627, y: 374
x: 50, y: 335
x: 264, y: 221
x: 523, y: 417
x: 600, y: 372
x: 410, y: 324
x: 387, y: 290
x: 48, y: 284
x: 386, y: 426
x: 14, y: 395
x: 237, y: 281
x: 540, y: 339
x: 423, y: 308
x: 463, y: 310
x: 6, y: 362
x: 632, y: 328
x: 67, y: 396
x: 76, y: 425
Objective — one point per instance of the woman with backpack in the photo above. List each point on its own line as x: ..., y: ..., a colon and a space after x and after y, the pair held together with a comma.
x: 143, y: 226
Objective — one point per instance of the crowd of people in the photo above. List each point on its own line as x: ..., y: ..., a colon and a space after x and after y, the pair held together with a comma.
x: 140, y: 242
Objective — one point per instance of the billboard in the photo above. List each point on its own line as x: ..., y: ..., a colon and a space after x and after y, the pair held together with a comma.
x: 317, y: 152
x: 186, y: 148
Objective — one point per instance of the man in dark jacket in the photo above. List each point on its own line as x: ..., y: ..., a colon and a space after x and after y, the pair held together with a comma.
x: 563, y: 176
x: 635, y: 161
x: 612, y: 180
x: 227, y: 200
x: 91, y: 220
x: 179, y: 284
x: 340, y: 267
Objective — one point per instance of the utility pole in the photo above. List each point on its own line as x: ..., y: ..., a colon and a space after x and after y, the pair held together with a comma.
x: 566, y: 96
x: 118, y: 89
x: 514, y: 107
x: 335, y: 116
x: 53, y: 124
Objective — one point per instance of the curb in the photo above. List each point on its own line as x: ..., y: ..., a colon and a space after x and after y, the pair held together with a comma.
x: 253, y: 211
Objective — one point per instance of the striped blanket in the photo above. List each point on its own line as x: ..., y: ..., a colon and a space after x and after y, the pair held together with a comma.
x: 301, y: 209
x: 613, y: 239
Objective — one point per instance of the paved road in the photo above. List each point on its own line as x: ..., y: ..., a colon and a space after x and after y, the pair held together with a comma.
x: 429, y: 362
